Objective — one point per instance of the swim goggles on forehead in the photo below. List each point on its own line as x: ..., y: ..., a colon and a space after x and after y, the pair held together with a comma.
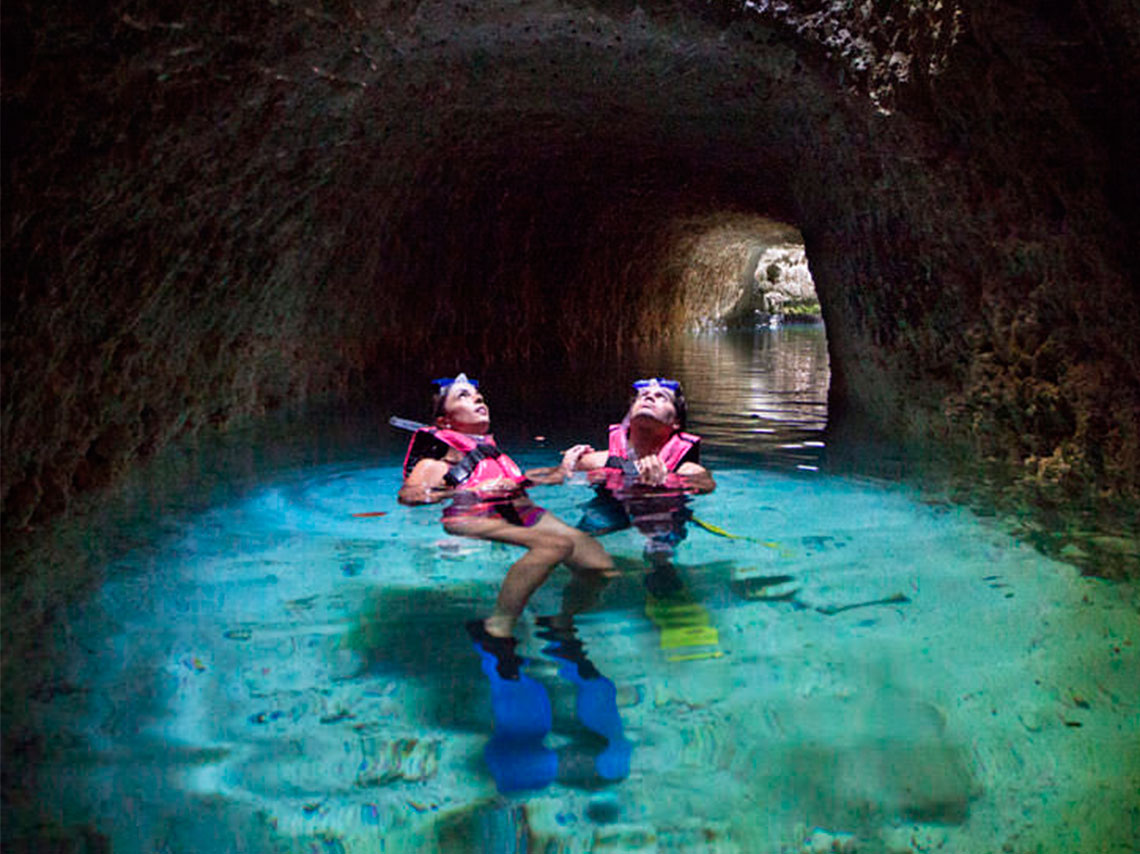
x: 445, y: 382
x: 671, y: 385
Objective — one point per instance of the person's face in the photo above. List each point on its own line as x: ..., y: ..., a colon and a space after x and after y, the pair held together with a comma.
x: 655, y: 402
x: 465, y: 410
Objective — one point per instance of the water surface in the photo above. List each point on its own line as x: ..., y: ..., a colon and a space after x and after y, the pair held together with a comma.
x: 854, y: 668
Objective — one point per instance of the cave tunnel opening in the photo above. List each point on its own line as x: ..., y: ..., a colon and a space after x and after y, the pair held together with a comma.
x: 566, y: 268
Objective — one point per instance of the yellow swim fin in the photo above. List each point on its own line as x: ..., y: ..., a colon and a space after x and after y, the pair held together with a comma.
x: 686, y: 629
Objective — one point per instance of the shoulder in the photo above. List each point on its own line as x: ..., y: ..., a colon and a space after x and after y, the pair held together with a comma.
x: 424, y: 445
x: 428, y: 465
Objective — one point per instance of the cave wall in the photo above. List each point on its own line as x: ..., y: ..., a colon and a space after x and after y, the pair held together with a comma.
x: 217, y: 211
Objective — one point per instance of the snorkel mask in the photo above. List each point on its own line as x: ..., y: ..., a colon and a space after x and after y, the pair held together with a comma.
x: 442, y: 386
x: 444, y: 383
x: 661, y: 382
x: 671, y: 386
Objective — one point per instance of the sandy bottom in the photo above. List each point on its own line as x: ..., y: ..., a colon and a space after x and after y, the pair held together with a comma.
x: 856, y: 671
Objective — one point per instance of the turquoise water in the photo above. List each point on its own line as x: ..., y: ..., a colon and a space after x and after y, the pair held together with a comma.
x: 856, y: 669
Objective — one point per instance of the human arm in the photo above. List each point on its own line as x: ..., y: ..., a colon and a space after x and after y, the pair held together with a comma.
x: 425, y: 483
x: 575, y: 458
x: 651, y: 471
x: 697, y: 478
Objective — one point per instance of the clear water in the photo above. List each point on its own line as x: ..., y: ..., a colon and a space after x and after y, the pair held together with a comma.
x: 857, y: 669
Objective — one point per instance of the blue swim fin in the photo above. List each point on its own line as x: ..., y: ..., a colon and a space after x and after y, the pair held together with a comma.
x: 596, y: 708
x: 596, y: 703
x: 515, y: 754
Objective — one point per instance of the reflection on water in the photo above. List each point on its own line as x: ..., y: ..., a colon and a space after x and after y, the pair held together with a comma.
x: 825, y: 664
x: 758, y: 396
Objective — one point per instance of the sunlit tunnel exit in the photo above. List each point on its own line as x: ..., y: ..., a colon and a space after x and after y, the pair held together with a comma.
x: 742, y: 272
x: 756, y: 357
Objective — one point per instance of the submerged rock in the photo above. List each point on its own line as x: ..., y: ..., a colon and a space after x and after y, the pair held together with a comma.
x: 386, y: 759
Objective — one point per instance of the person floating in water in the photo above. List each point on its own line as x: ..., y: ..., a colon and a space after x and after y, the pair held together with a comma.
x: 644, y: 479
x: 649, y: 446
x: 457, y: 458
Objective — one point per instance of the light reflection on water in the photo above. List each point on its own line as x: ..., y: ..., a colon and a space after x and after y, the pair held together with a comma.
x: 852, y: 670
x: 759, y: 396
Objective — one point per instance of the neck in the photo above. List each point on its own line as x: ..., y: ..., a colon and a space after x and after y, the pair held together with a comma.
x: 647, y: 436
x: 469, y: 429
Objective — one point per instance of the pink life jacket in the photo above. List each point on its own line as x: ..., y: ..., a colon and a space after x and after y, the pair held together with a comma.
x: 672, y: 454
x: 482, y: 460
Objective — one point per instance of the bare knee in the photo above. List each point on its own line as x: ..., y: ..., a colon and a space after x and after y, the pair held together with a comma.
x: 588, y: 554
x: 555, y: 547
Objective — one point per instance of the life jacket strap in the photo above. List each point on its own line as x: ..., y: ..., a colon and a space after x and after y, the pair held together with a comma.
x: 624, y: 464
x: 463, y: 469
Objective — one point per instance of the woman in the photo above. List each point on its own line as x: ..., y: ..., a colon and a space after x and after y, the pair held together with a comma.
x: 457, y: 458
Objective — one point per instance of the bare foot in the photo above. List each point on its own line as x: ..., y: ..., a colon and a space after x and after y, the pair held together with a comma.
x: 499, y: 625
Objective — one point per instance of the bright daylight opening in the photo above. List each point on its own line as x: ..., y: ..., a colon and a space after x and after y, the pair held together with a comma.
x: 747, y: 271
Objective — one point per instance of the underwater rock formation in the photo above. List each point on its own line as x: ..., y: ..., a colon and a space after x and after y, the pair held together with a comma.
x: 214, y: 212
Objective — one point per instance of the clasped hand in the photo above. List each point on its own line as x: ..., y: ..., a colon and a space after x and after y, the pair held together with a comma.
x: 573, y: 454
x: 651, y: 470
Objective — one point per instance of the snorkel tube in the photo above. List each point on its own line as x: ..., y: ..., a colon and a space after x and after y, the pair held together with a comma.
x: 406, y: 424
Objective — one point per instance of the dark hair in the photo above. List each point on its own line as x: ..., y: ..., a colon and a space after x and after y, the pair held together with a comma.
x: 437, y: 401
x: 681, y: 406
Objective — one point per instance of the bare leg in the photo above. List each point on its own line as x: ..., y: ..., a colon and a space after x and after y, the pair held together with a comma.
x: 581, y: 593
x: 547, y: 545
x: 587, y: 553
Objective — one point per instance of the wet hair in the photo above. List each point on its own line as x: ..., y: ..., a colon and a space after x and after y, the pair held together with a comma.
x: 679, y: 405
x: 438, y: 399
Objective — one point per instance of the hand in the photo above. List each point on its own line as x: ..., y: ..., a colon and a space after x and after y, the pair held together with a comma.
x: 500, y: 487
x: 651, y: 470
x: 419, y: 493
x: 571, y: 456
x: 597, y: 476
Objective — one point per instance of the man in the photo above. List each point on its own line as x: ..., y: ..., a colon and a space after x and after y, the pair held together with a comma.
x: 647, y: 472
x: 649, y: 444
x: 644, y: 479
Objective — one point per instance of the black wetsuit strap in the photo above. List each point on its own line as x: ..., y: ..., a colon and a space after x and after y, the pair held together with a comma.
x: 626, y: 465
x: 462, y: 470
x: 425, y: 446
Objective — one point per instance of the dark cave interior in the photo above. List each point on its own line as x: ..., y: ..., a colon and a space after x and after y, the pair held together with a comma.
x: 212, y: 215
